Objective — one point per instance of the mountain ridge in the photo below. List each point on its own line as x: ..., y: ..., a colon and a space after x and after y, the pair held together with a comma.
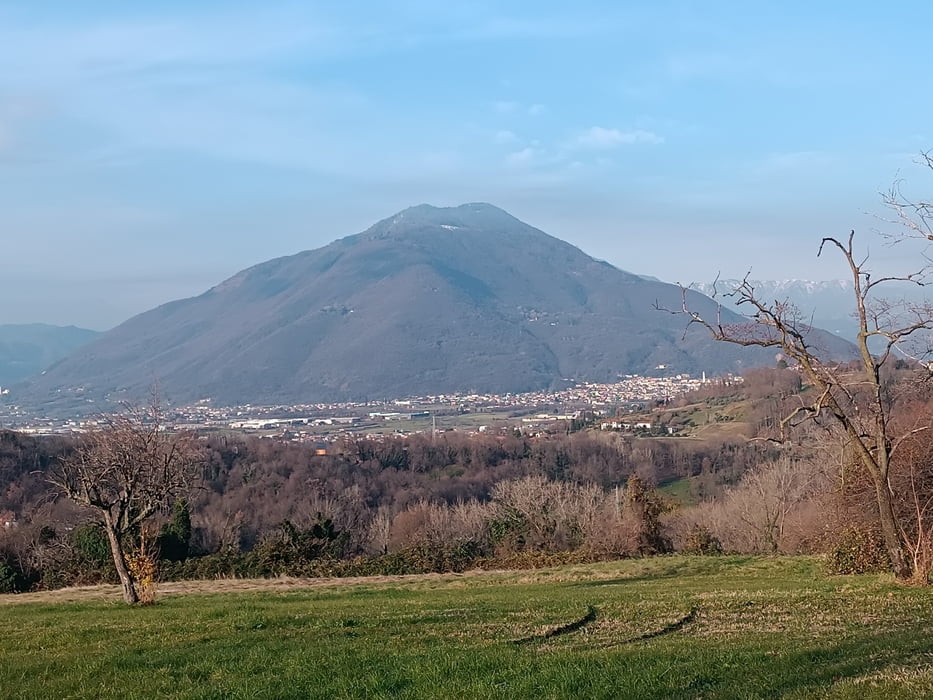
x: 28, y: 348
x: 429, y: 300
x: 830, y: 303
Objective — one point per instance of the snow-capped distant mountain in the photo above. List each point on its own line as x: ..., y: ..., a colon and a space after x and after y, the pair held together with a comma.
x: 831, y: 303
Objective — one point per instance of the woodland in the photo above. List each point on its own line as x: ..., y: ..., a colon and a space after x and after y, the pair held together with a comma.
x: 453, y: 501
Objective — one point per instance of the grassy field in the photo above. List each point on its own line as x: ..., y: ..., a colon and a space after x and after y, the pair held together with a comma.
x: 672, y: 627
x: 679, y: 491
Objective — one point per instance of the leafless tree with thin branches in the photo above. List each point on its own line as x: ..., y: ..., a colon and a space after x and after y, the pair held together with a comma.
x: 128, y: 469
x: 914, y: 217
x: 857, y: 401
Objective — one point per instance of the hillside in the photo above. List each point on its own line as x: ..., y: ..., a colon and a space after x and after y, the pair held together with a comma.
x: 430, y: 300
x: 27, y: 349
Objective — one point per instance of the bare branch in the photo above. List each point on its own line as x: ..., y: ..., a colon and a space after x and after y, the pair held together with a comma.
x: 856, y: 399
x: 128, y: 468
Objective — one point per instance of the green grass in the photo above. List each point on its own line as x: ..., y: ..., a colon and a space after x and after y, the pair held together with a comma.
x: 680, y: 491
x: 762, y: 628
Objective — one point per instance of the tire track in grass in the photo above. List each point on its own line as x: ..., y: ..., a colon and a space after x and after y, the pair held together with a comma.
x: 563, y: 629
x: 675, y: 626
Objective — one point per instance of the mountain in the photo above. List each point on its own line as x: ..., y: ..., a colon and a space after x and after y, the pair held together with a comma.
x: 27, y: 349
x: 431, y: 300
x: 831, y: 304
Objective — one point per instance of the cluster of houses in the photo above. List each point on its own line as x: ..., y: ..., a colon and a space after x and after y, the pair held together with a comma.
x: 636, y: 426
x: 274, y: 423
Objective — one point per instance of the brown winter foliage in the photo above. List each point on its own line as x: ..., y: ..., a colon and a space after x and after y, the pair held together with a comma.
x: 497, y: 494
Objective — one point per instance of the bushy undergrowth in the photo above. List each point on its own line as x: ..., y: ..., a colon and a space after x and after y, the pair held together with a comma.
x: 702, y: 541
x: 858, y: 550
x: 9, y: 578
x: 421, y: 559
x: 528, y: 522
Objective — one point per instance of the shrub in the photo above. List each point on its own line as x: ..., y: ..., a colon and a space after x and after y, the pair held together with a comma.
x: 291, y: 551
x: 9, y: 579
x: 642, y: 511
x: 143, y: 566
x: 700, y: 540
x: 174, y: 540
x: 858, y: 551
x: 224, y: 564
x: 91, y: 546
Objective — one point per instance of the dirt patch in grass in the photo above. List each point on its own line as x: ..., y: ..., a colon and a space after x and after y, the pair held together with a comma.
x: 580, y: 572
x: 288, y: 583
x: 231, y: 585
x: 608, y: 573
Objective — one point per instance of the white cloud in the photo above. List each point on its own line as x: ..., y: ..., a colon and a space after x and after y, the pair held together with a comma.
x: 505, y: 137
x: 601, y: 138
x: 536, y: 109
x: 522, y: 157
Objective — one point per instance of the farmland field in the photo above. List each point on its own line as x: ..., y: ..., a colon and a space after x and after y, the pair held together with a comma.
x: 668, y: 627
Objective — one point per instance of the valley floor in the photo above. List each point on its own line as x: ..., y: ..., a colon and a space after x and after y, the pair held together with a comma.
x: 668, y: 627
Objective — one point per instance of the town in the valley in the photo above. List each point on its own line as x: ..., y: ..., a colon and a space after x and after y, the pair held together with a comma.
x: 602, y: 404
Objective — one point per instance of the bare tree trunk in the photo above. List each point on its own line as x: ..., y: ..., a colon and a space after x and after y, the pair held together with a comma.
x: 892, y: 540
x: 119, y: 560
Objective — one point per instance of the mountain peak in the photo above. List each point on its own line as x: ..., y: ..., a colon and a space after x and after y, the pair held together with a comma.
x: 475, y: 225
x: 474, y: 216
x: 483, y: 208
x: 430, y: 300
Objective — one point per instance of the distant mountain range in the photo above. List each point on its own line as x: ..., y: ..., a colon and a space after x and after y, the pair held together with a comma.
x: 431, y: 300
x: 831, y: 304
x: 27, y: 349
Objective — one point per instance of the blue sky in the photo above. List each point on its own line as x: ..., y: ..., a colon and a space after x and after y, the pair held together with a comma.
x: 150, y: 150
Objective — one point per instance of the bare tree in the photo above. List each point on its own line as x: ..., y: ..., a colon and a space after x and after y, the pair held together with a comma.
x: 911, y: 480
x: 766, y: 511
x: 913, y: 216
x: 767, y: 496
x: 128, y: 469
x: 916, y: 488
x: 858, y: 401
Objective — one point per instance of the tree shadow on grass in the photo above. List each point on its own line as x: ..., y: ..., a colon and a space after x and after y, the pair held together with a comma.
x: 812, y: 669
